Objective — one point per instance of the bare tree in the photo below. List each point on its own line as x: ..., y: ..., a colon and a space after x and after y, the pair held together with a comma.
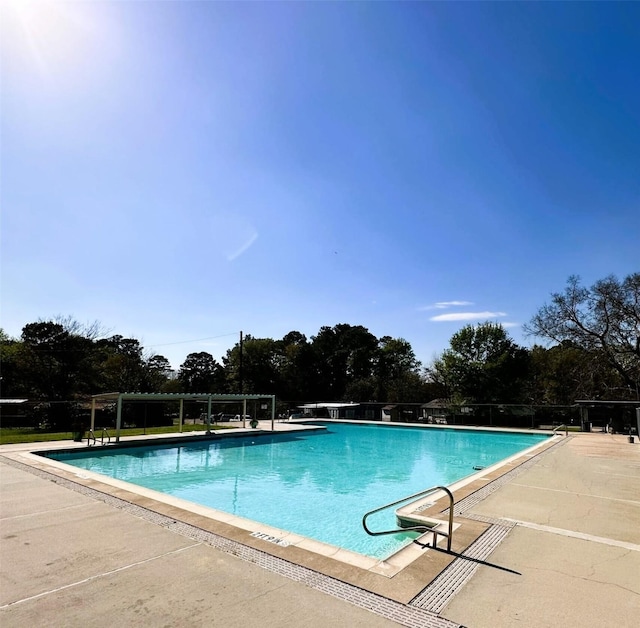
x: 604, y: 318
x: 90, y: 330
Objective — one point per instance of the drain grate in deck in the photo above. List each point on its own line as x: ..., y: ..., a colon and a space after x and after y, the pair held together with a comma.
x: 437, y: 595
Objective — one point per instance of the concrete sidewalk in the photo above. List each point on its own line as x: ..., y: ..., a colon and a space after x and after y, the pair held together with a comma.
x: 576, y: 543
x: 67, y: 559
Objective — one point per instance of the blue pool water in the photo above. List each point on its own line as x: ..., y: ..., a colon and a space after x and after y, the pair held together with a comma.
x: 318, y: 484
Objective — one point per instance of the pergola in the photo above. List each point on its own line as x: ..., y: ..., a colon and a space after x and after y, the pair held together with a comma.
x: 208, y: 398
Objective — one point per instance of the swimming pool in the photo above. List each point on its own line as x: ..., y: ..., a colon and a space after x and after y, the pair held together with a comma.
x: 315, y: 483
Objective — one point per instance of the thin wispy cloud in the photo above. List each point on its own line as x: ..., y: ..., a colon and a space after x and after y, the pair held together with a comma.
x: 466, y: 316
x: 238, y: 252
x: 443, y: 305
x: 233, y: 233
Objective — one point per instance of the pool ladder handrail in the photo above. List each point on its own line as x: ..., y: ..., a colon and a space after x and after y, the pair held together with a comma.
x: 422, y: 528
x: 559, y: 427
x: 92, y: 435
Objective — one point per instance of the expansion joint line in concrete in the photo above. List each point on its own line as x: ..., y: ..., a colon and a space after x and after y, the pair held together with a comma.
x: 97, y: 576
x: 407, y: 615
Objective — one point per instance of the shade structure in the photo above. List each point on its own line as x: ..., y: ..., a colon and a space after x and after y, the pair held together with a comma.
x: 210, y: 398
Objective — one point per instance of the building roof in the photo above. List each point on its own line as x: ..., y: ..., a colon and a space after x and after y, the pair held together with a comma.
x: 436, y: 403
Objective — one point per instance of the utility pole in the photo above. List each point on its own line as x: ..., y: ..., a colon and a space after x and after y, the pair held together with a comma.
x: 240, y: 369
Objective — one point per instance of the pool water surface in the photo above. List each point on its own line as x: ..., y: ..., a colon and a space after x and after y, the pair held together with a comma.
x: 319, y: 483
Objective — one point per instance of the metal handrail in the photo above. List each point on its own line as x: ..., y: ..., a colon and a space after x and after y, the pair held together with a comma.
x: 448, y: 534
x: 566, y: 429
x: 92, y: 435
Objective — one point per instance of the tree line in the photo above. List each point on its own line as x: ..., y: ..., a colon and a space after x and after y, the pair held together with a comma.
x: 593, y: 351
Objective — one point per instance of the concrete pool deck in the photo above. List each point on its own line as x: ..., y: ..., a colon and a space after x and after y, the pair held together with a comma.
x: 565, y: 524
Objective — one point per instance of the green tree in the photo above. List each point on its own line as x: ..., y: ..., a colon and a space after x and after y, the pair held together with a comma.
x: 55, y: 363
x: 344, y: 355
x: 42, y: 359
x: 259, y: 373
x: 397, y: 371
x: 296, y: 367
x: 201, y: 373
x: 158, y: 371
x: 483, y: 365
x: 603, y: 319
x: 123, y: 365
x: 11, y: 381
x: 566, y: 372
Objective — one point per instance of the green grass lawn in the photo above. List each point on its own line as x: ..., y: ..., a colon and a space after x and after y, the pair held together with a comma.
x: 10, y: 435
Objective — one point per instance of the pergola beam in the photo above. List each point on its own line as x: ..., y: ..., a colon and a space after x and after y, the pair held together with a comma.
x: 210, y: 398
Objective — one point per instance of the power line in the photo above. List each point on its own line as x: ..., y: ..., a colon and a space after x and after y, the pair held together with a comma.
x: 183, y: 342
x: 50, y: 349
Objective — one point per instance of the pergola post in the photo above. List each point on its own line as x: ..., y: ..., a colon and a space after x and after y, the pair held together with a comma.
x: 209, y: 416
x: 180, y: 415
x: 273, y: 413
x: 93, y: 415
x: 118, y: 418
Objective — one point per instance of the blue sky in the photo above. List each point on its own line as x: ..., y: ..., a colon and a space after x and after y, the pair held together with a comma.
x: 181, y: 171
